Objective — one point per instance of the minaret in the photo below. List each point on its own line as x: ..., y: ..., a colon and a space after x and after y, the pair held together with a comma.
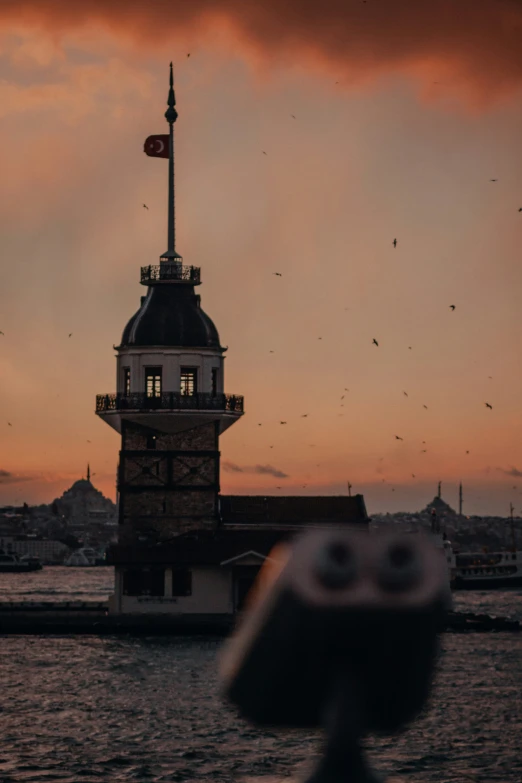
x: 460, y: 499
x: 88, y: 472
x: 170, y: 407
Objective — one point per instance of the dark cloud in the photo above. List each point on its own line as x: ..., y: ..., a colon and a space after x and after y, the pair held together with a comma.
x: 474, y: 42
x: 266, y: 470
x: 11, y: 478
x: 513, y: 472
x: 230, y: 467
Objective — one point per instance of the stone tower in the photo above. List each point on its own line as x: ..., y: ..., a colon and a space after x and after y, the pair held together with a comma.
x: 169, y: 407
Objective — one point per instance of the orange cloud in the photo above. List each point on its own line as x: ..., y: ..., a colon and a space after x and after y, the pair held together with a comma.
x: 475, y: 43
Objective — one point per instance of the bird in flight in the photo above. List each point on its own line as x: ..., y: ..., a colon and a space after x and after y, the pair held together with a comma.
x: 409, y: 347
x: 467, y: 452
x: 452, y: 307
x: 145, y: 206
x: 264, y: 153
x: 271, y: 447
x: 188, y: 55
x: 259, y: 425
x: 304, y: 415
x: 282, y: 422
x: 319, y: 338
x: 347, y: 389
x: 9, y: 423
x: 374, y: 341
x: 490, y: 377
x: 395, y: 242
x: 292, y: 115
x: 424, y: 451
x: 493, y: 180
x: 405, y: 393
x: 342, y: 398
x: 88, y: 441
x: 397, y: 437
x: 278, y: 274
x: 413, y: 475
x: 2, y: 333
x: 488, y: 405
x: 70, y: 334
x: 270, y: 352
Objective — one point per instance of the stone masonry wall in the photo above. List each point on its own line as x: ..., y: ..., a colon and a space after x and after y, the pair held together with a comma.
x: 198, y: 438
x: 162, y: 513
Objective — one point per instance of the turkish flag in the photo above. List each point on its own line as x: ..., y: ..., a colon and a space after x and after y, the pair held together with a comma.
x: 157, y: 146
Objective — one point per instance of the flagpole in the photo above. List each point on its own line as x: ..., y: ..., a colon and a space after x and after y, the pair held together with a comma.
x: 171, y: 116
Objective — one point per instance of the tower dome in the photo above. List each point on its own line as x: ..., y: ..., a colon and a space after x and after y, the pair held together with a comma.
x: 170, y: 315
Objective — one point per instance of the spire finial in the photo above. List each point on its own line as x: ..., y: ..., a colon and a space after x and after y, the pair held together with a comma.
x: 171, y: 115
x: 88, y: 472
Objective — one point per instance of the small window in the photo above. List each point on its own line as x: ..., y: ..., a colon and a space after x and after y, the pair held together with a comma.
x: 181, y: 582
x: 144, y: 581
x: 126, y: 381
x: 189, y: 380
x: 214, y: 381
x: 153, y: 381
x: 151, y: 441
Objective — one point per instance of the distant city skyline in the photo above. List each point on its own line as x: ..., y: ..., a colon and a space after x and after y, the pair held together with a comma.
x: 421, y: 146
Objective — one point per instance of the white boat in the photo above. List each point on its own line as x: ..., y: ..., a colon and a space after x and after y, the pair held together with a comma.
x: 86, y: 557
x: 488, y: 570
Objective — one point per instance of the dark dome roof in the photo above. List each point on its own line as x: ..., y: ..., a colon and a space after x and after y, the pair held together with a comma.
x: 171, y: 315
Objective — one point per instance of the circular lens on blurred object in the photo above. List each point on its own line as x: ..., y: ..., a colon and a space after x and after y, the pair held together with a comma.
x: 336, y: 565
x: 400, y: 568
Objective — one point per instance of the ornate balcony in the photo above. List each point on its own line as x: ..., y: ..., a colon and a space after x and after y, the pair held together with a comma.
x: 170, y: 273
x: 169, y: 401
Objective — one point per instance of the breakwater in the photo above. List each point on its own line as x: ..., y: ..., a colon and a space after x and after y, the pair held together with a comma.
x: 92, y: 617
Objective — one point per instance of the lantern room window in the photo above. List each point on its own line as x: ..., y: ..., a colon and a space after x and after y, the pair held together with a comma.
x: 153, y: 381
x: 126, y: 381
x: 189, y: 380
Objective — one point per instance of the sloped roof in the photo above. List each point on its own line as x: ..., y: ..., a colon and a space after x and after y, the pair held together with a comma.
x: 203, y: 547
x: 292, y: 509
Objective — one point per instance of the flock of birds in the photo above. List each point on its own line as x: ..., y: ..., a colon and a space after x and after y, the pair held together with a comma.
x: 375, y: 342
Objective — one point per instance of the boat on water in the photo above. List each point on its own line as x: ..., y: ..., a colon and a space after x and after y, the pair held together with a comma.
x: 12, y: 564
x: 86, y: 557
x: 488, y: 570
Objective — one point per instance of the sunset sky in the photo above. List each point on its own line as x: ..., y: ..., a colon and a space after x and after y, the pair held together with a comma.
x: 404, y: 113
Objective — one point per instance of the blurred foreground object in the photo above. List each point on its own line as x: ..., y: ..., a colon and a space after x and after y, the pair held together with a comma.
x: 341, y: 633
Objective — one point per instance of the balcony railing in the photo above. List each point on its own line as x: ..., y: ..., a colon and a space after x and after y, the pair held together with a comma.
x: 169, y: 401
x: 170, y: 272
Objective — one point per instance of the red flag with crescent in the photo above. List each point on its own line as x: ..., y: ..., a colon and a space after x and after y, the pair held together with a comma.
x: 157, y: 146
